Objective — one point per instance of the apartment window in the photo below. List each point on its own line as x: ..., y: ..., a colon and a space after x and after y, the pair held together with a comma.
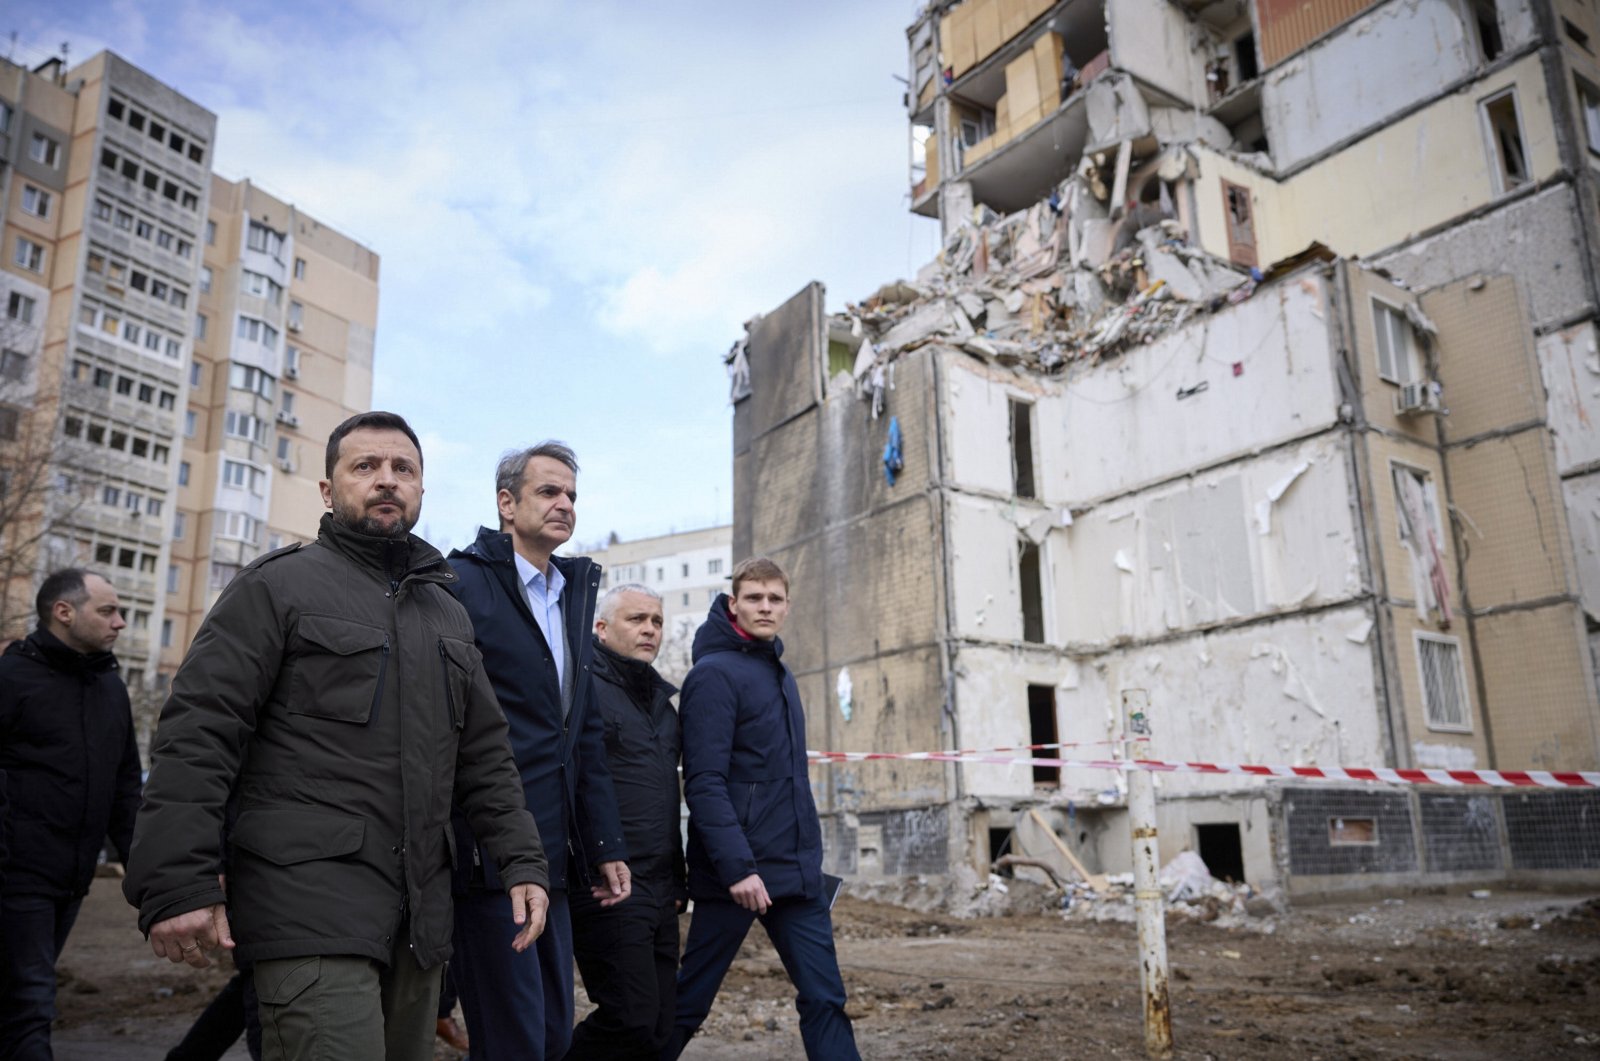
x: 222, y: 574
x: 166, y: 630
x: 183, y: 473
x: 1022, y: 449
x: 5, y: 116
x: 200, y: 323
x: 190, y: 423
x: 288, y: 402
x: 140, y: 447
x: 211, y: 233
x: 1589, y: 107
x: 1397, y: 348
x: 685, y: 570
x: 262, y: 287
x: 10, y: 421
x: 235, y: 473
x: 130, y: 169
x: 297, y: 314
x: 1487, y: 20
x: 265, y: 240
x: 291, y: 361
x: 147, y: 393
x: 44, y: 150
x: 1241, y: 224
x: 257, y: 331
x: 116, y: 109
x: 1416, y: 502
x: 299, y: 268
x: 20, y: 307
x: 1444, y: 682
x: 35, y: 201
x: 159, y: 453
x: 248, y: 378
x: 283, y: 447
x: 1031, y: 572
x: 180, y: 525
x: 110, y: 496
x: 205, y: 279
x: 124, y: 220
x: 102, y: 210
x: 1042, y: 730
x: 152, y: 506
x: 172, y: 578
x: 185, y: 248
x: 194, y: 369
x: 1502, y: 125
x: 102, y: 378
x: 714, y: 567
x: 29, y: 255
x: 14, y: 365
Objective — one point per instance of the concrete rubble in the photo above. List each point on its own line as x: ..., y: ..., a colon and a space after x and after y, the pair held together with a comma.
x: 1059, y: 283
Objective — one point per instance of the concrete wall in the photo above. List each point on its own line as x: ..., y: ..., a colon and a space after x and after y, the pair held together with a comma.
x: 1153, y: 41
x: 1388, y: 59
x: 1401, y: 182
x: 1092, y: 434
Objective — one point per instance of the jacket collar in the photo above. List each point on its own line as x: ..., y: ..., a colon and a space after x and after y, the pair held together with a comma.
x: 393, y: 558
x: 636, y: 677
x: 45, y: 647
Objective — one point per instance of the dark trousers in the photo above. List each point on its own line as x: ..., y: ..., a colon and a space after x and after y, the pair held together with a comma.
x: 33, y: 929
x: 231, y: 1013
x: 518, y: 1006
x: 802, y: 932
x: 628, y: 955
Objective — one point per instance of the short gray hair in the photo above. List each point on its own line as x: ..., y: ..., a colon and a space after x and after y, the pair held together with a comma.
x: 613, y: 598
x: 513, y: 467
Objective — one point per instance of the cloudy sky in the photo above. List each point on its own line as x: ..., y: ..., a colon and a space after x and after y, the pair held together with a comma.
x: 576, y: 204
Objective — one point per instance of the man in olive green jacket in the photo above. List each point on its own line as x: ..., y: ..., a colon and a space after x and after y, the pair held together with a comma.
x: 331, y: 705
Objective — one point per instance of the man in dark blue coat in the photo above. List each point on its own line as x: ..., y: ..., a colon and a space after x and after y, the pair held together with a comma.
x: 68, y: 759
x: 755, y: 845
x: 531, y: 614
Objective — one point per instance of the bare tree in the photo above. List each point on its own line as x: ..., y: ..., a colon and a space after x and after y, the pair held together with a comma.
x: 43, y: 481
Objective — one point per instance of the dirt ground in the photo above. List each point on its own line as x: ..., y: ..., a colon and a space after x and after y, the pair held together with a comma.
x: 1514, y: 975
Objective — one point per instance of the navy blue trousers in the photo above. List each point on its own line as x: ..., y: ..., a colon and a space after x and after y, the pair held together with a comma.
x: 33, y: 929
x: 518, y: 1006
x: 802, y: 932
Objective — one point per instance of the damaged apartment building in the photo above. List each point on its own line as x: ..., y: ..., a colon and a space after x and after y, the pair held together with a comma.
x: 1259, y: 370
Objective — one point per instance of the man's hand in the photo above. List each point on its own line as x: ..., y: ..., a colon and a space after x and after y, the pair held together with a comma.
x: 751, y: 893
x: 528, y: 905
x: 187, y: 937
x: 618, y: 885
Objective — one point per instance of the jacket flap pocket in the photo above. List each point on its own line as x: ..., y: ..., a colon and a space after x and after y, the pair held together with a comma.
x: 289, y: 836
x: 463, y: 654
x: 341, y: 636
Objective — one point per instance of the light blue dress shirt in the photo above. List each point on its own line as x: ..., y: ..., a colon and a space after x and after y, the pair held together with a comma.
x: 544, y: 600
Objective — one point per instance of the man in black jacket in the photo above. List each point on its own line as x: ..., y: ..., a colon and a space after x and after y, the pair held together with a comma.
x: 71, y: 766
x: 532, y: 614
x: 628, y: 953
x: 331, y: 706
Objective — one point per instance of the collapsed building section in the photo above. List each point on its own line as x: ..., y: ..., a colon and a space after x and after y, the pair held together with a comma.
x: 1208, y: 393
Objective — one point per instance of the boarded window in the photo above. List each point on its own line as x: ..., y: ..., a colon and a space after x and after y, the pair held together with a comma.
x: 1444, y: 685
x: 1350, y: 832
x: 1032, y: 592
x: 1396, y: 347
x: 1506, y: 149
x: 1022, y: 449
x: 1042, y: 730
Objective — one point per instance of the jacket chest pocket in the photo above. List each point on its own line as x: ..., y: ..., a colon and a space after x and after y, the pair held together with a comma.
x: 457, y: 658
x: 341, y: 669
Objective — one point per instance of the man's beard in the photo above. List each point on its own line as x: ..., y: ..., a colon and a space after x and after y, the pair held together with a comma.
x: 362, y: 523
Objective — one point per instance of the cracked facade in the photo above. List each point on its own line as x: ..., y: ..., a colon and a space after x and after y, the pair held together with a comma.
x: 1260, y: 371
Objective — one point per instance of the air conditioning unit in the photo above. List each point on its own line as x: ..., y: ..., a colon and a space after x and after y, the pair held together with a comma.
x: 288, y: 418
x: 287, y: 464
x: 1423, y: 396
x: 291, y: 371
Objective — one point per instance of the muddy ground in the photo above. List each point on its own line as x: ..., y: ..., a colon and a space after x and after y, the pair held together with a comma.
x: 1515, y: 975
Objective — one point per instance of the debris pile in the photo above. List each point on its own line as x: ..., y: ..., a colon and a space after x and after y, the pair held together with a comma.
x: 1057, y: 283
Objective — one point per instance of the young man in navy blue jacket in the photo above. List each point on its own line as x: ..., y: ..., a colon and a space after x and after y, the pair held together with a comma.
x: 532, y: 613
x: 755, y: 845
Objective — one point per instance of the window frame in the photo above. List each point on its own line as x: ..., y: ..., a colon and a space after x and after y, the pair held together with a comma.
x: 1465, y: 726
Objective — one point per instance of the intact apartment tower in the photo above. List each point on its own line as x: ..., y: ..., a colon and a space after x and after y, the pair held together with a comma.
x: 688, y: 568
x: 174, y: 350
x: 1340, y: 510
x: 284, y: 330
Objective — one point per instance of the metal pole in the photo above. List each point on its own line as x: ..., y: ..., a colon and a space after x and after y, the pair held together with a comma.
x: 1149, y: 911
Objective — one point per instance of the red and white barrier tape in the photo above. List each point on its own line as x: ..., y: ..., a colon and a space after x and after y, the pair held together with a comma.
x: 1491, y: 778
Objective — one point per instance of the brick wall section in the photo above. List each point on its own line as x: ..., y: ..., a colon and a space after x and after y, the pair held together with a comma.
x: 1539, y: 692
x: 1289, y: 25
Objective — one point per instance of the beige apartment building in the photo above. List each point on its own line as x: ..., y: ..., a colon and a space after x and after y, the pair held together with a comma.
x: 105, y: 181
x: 1258, y: 371
x: 174, y: 350
x: 286, y: 317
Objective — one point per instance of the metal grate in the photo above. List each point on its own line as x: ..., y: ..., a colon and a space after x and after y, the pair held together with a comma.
x: 1444, y: 694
